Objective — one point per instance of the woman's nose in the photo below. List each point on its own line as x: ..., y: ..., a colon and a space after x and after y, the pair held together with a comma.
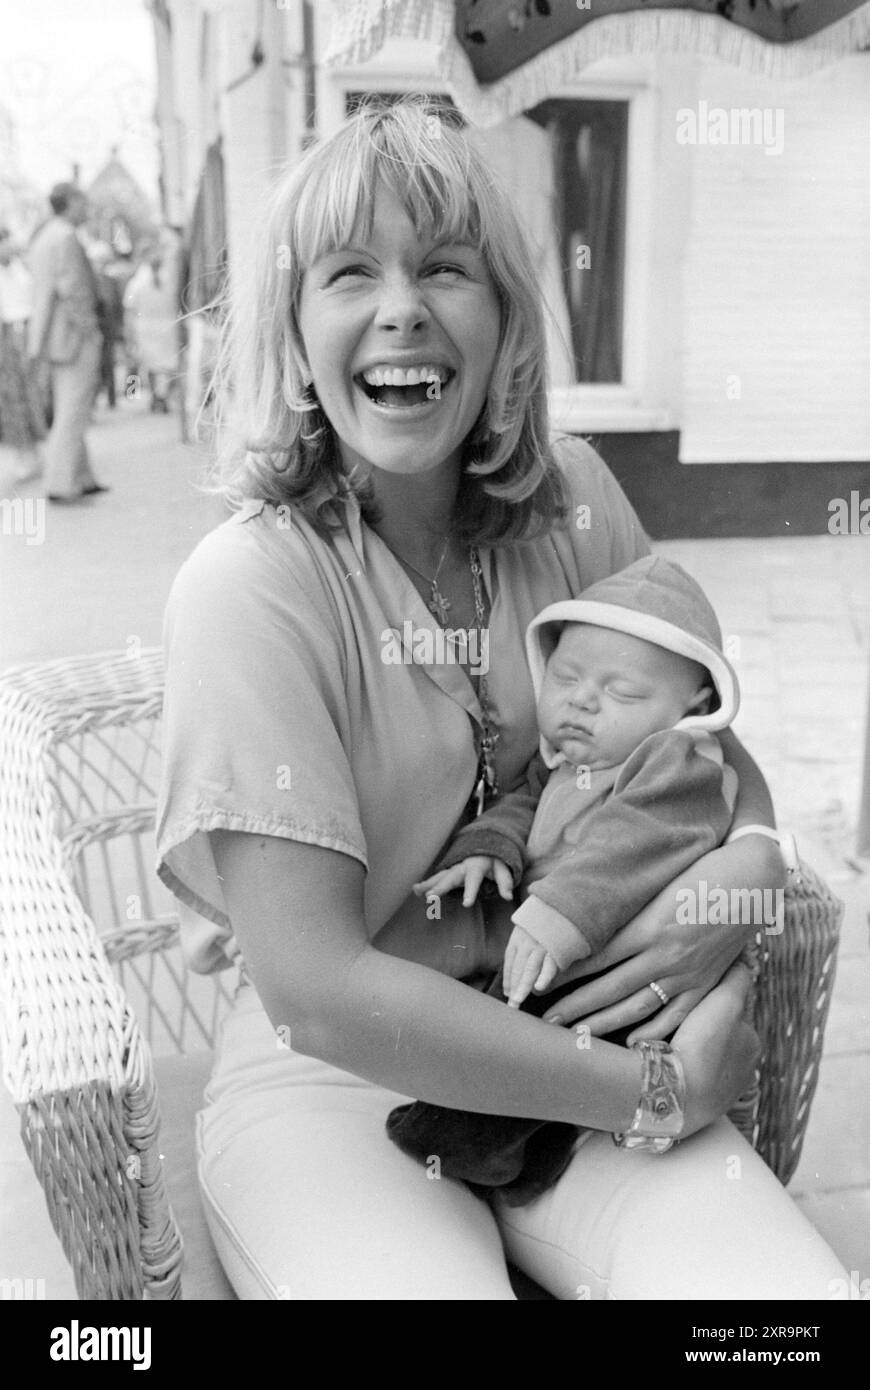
x: 401, y: 305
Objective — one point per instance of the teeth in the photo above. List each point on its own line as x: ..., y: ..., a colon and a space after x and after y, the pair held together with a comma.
x: 400, y: 376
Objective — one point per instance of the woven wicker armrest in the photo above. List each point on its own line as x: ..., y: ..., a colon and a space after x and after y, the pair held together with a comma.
x: 796, y: 970
x: 794, y: 963
x: 73, y: 1056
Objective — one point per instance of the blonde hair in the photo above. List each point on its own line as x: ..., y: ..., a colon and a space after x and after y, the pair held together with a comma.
x: 282, y: 446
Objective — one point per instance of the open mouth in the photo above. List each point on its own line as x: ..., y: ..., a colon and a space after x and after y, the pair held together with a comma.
x: 398, y: 388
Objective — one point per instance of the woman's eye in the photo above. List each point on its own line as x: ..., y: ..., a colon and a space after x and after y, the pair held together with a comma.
x: 345, y: 271
x: 446, y: 268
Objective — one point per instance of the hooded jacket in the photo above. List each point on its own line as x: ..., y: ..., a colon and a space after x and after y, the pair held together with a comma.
x: 593, y: 851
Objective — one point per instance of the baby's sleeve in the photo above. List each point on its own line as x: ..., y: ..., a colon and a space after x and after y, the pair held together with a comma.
x: 671, y: 803
x: 503, y: 829
x: 256, y: 724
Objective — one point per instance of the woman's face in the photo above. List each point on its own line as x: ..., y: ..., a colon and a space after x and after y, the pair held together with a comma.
x: 426, y: 308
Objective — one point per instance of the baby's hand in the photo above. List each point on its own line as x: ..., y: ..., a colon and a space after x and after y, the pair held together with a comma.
x: 527, y: 966
x: 469, y: 874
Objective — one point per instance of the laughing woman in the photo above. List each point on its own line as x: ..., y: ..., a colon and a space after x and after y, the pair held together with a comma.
x: 396, y: 468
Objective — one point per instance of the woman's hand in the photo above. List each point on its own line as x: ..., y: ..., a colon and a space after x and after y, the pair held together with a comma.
x: 685, y: 958
x: 719, y: 1051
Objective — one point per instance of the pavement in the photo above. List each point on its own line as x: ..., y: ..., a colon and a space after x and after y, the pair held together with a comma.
x: 795, y: 612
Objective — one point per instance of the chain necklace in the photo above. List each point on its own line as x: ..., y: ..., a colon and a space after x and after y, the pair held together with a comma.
x: 437, y: 603
x: 486, y: 782
x: 486, y: 785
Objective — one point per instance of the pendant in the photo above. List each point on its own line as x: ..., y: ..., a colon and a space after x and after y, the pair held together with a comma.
x: 438, y: 604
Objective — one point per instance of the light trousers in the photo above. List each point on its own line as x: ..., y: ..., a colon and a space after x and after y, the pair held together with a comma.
x: 73, y: 387
x: 307, y: 1199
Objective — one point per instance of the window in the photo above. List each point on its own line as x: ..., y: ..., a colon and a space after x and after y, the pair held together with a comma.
x: 589, y: 143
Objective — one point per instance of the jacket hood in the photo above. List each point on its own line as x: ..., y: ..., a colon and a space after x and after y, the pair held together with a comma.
x: 656, y: 600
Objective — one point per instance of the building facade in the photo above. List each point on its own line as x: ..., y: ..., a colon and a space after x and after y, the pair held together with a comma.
x: 702, y: 233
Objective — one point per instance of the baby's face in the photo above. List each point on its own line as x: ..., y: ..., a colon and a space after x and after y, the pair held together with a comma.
x: 604, y: 692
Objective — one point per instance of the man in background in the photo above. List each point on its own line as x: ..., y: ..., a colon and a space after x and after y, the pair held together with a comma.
x: 64, y: 333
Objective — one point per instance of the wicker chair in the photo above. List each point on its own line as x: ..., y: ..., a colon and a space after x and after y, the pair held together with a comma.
x: 95, y: 998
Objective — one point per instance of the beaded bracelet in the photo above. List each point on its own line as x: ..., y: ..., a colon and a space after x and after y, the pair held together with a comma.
x: 659, y: 1117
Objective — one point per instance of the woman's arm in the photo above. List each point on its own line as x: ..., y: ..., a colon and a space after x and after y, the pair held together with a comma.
x: 297, y: 912
x: 754, y: 805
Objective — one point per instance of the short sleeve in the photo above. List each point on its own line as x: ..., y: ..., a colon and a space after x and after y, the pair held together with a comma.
x: 255, y: 714
x: 602, y: 518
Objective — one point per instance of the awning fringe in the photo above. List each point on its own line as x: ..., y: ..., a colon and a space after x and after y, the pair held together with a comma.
x: 365, y: 25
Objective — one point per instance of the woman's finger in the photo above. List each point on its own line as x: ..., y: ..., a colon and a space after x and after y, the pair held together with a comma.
x: 722, y: 1007
x: 621, y: 983
x: 634, y: 1009
x: 668, y: 1019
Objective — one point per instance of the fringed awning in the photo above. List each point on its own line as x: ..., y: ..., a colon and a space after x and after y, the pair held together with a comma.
x: 501, y: 57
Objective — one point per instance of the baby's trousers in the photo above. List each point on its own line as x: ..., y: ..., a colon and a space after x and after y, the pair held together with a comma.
x: 307, y: 1198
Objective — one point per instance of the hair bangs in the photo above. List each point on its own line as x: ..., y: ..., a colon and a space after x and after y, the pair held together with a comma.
x: 428, y: 175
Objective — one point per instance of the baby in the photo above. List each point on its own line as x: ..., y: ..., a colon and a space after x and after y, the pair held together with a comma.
x: 628, y: 790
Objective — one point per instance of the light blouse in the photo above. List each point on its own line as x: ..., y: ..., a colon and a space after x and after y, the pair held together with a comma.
x: 287, y: 714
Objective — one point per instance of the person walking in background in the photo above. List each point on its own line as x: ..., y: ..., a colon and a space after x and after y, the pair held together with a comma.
x: 64, y: 332
x: 151, y: 322
x: 110, y: 314
x: 22, y: 421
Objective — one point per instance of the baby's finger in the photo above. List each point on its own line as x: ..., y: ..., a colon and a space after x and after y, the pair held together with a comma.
x: 548, y: 973
x: 508, y: 969
x: 475, y: 873
x: 504, y: 879
x: 442, y: 882
x: 426, y: 885
x: 527, y: 975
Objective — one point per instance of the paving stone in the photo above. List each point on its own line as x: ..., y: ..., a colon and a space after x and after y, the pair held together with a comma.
x: 837, y: 1147
x: 838, y: 674
x: 798, y: 598
x: 848, y: 1027
x: 757, y: 652
x: 854, y: 935
x: 815, y: 640
x: 808, y: 742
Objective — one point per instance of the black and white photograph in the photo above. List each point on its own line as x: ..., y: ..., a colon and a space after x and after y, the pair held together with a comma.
x: 435, y: 663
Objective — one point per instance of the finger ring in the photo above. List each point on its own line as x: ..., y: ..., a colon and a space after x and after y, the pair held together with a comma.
x: 657, y: 990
